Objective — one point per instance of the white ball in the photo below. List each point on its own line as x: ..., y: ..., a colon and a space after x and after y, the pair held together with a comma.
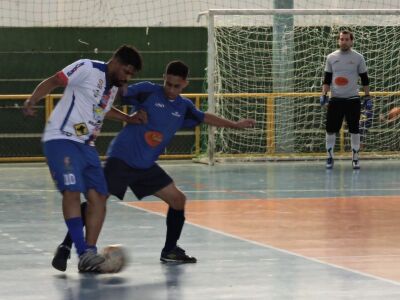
x: 116, y: 259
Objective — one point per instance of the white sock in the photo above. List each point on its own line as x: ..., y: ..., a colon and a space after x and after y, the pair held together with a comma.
x: 330, y: 143
x: 355, y: 141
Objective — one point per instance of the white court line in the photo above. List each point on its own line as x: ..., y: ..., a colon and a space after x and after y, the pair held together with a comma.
x: 30, y: 246
x: 26, y: 190
x: 27, y: 167
x: 273, y: 248
x: 240, y: 191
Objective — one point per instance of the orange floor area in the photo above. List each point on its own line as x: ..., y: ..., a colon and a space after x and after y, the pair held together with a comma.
x: 359, y: 233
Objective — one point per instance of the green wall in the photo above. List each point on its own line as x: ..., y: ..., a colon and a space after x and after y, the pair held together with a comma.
x: 29, y: 55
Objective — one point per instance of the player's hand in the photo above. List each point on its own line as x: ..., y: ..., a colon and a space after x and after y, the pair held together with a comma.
x: 245, y: 123
x: 28, y: 108
x: 323, y: 100
x: 139, y: 117
x: 367, y: 102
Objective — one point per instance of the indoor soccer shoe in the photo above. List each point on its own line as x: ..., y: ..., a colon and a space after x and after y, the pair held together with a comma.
x: 62, y: 254
x: 329, y: 163
x: 177, y: 255
x: 89, y: 261
x: 355, y: 162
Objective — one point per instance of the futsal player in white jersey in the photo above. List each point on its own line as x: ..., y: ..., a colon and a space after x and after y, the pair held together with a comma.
x: 342, y: 69
x: 68, y: 140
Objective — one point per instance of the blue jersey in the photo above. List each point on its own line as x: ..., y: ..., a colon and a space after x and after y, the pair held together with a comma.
x: 140, y: 145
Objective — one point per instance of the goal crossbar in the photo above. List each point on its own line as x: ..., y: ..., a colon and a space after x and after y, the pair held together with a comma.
x: 255, y: 12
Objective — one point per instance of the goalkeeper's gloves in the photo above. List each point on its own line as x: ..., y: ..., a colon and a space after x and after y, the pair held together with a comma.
x: 367, y: 102
x: 323, y: 100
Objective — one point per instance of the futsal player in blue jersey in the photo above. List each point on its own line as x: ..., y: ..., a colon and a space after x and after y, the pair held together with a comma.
x: 132, y: 155
x: 68, y: 142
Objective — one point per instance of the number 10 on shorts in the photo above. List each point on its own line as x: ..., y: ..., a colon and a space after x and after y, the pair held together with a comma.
x: 69, y: 179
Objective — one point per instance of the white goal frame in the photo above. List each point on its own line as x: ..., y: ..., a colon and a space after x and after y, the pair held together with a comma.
x: 212, y: 13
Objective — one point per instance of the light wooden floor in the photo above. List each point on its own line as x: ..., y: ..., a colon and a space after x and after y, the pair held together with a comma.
x: 260, y: 231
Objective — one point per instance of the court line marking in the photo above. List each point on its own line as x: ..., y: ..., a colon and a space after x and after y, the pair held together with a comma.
x: 26, y: 190
x: 271, y: 247
x: 165, y: 163
x: 244, y: 191
x: 29, y: 245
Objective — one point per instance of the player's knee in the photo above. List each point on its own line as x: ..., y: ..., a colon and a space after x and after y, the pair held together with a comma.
x: 179, y: 201
x: 96, y: 199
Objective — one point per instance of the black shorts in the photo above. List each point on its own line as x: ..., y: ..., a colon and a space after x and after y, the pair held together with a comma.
x: 142, y: 182
x: 338, y: 108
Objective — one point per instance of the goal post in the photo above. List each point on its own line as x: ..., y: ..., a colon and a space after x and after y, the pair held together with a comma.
x: 268, y: 64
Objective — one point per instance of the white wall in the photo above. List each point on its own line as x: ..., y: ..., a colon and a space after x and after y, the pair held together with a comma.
x: 144, y: 12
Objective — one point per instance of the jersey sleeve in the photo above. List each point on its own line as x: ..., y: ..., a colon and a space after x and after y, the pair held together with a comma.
x: 76, y: 72
x: 138, y: 93
x: 362, y: 67
x: 193, y: 116
x: 328, y: 66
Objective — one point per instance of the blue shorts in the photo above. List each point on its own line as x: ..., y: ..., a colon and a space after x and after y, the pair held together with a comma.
x: 74, y: 166
x: 142, y: 182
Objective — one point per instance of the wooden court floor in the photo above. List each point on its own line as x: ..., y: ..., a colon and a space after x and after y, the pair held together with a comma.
x: 288, y: 230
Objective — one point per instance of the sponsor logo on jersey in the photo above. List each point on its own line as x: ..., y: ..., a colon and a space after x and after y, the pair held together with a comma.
x: 94, y: 123
x: 341, y: 81
x: 98, y: 113
x: 176, y: 114
x: 158, y: 104
x: 98, y: 110
x: 81, y: 129
x: 66, y: 133
x: 69, y: 73
x: 153, y: 138
x: 104, y: 99
x: 96, y: 93
x: 100, y: 84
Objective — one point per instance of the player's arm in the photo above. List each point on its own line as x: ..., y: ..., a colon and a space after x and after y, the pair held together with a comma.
x: 326, y: 83
x: 43, y: 89
x: 139, y: 117
x: 365, y: 82
x: 217, y: 121
x: 367, y: 101
x: 326, y: 86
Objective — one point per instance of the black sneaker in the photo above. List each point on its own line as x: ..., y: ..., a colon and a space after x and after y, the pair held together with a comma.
x: 355, y: 162
x: 329, y: 163
x: 177, y: 255
x: 62, y: 254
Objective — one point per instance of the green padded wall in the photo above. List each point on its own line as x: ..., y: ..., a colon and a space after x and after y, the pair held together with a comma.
x: 29, y: 55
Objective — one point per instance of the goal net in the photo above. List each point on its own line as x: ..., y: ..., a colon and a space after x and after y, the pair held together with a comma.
x: 268, y: 65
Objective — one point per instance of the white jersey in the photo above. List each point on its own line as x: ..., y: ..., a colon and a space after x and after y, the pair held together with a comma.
x: 346, y: 67
x: 79, y: 115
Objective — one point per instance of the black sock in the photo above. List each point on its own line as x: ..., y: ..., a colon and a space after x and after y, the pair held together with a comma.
x: 68, y: 241
x: 175, y: 221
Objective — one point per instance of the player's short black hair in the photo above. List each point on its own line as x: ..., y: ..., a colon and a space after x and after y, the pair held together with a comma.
x: 177, y: 68
x: 129, y: 55
x: 346, y: 32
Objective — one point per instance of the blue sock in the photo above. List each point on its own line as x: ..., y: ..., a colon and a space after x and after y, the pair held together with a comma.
x: 75, y: 229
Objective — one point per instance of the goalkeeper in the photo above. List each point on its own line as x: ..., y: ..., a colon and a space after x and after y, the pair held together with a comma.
x: 342, y: 69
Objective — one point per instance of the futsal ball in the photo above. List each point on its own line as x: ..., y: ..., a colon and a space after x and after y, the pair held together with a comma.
x: 116, y: 259
x: 394, y: 113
